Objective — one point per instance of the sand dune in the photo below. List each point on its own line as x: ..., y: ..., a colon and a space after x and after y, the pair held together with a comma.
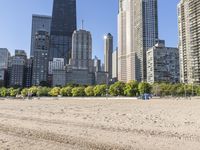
x: 99, y: 124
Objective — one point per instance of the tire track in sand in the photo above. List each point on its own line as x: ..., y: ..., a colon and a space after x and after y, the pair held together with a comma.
x: 59, y: 138
x: 143, y: 132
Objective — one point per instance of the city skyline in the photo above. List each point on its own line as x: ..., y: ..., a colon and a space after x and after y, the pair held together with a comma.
x: 106, y: 22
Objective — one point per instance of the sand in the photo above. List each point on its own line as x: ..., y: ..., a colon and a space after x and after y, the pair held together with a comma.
x: 99, y: 124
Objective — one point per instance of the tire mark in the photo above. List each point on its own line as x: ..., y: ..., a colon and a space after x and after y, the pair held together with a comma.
x: 59, y: 138
x: 144, y: 132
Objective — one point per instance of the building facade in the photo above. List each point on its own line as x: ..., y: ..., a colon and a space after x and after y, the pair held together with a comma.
x: 17, y: 70
x: 3, y: 78
x: 115, y: 64
x: 28, y: 72
x: 101, y: 78
x: 189, y: 27
x: 40, y: 59
x: 137, y: 32
x: 81, y: 50
x: 59, y: 77
x: 39, y: 22
x: 79, y: 76
x: 97, y: 64
x: 108, y: 50
x: 56, y: 64
x: 162, y: 64
x: 62, y: 27
x: 4, y: 58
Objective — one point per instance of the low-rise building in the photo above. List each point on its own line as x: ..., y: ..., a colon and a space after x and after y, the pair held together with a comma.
x: 80, y: 76
x: 162, y: 64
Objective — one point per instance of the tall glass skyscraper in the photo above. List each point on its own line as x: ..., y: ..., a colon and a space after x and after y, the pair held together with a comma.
x: 39, y: 22
x: 137, y: 32
x: 62, y: 27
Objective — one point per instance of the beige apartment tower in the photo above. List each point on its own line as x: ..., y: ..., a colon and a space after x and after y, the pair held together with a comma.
x: 189, y: 40
x: 137, y: 32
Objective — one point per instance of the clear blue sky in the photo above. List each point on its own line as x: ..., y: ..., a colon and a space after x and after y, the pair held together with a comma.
x: 100, y: 18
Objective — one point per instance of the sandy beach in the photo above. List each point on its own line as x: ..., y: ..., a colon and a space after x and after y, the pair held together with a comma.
x: 99, y: 124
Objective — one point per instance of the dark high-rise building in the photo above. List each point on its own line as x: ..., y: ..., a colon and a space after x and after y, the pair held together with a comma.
x: 62, y: 27
x: 40, y: 59
x: 108, y: 50
x: 17, y: 70
x: 39, y: 22
x: 28, y: 72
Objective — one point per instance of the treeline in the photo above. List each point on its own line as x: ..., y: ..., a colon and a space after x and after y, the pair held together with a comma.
x: 131, y: 89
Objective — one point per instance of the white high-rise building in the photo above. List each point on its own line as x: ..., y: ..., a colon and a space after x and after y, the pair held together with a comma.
x: 137, y: 32
x: 39, y: 22
x: 189, y: 37
x: 81, y: 50
x: 115, y: 64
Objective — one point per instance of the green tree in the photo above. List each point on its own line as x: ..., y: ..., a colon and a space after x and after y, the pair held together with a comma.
x: 54, y: 91
x: 131, y: 88
x: 3, y: 92
x: 144, y: 87
x: 117, y: 89
x: 78, y: 91
x: 89, y: 91
x: 100, y: 90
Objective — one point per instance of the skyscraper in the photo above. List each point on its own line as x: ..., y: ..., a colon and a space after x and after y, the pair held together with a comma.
x: 108, y: 50
x: 189, y: 46
x: 40, y: 59
x: 81, y: 50
x: 137, y: 32
x: 17, y: 73
x: 39, y: 22
x: 97, y: 64
x: 115, y: 64
x: 62, y: 27
x: 4, y: 57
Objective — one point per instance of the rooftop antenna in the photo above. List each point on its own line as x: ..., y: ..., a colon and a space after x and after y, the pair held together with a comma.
x: 82, y: 27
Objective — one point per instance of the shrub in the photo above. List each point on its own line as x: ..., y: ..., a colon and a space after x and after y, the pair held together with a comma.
x: 54, y: 91
x: 43, y: 91
x: 33, y: 90
x: 89, y: 91
x: 66, y: 91
x: 3, y: 92
x: 100, y: 90
x: 78, y: 91
x: 24, y: 92
x: 13, y: 92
